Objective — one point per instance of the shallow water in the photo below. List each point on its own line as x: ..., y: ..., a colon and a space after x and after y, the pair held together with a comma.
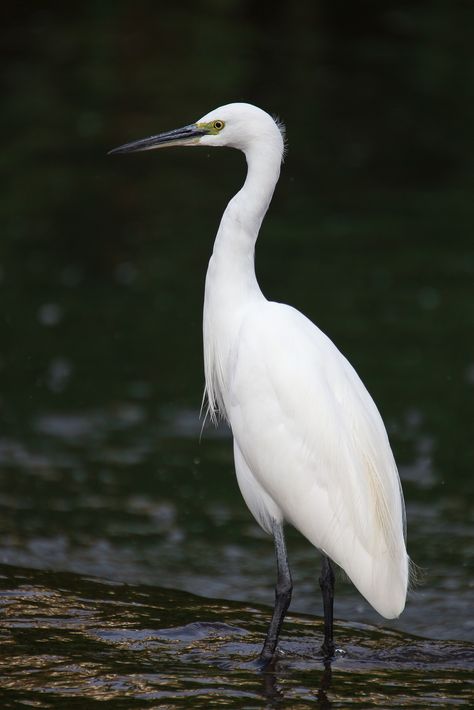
x: 68, y: 639
x: 137, y: 498
x: 103, y: 469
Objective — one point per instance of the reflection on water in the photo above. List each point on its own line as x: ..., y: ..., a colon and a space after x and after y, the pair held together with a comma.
x: 66, y: 637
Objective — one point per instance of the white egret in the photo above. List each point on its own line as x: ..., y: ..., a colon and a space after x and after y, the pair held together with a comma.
x: 310, y: 446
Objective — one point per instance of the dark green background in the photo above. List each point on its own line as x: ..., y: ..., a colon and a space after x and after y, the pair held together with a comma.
x: 102, y: 263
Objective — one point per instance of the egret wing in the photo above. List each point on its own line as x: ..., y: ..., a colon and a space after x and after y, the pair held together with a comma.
x: 314, y: 440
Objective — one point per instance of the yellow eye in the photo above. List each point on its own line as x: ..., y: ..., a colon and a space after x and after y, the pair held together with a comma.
x: 218, y: 125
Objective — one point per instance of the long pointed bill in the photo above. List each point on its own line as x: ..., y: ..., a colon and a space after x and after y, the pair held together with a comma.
x: 189, y: 135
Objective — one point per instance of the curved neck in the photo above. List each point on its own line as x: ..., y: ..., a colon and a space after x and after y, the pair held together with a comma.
x: 231, y: 283
x: 241, y: 221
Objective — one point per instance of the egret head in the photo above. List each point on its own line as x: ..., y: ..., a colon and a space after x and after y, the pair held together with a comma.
x: 237, y: 125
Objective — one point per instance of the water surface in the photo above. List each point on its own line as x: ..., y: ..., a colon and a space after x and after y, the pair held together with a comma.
x: 69, y: 639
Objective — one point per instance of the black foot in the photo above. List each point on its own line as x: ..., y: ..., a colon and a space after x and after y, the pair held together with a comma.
x: 265, y: 663
x: 328, y: 650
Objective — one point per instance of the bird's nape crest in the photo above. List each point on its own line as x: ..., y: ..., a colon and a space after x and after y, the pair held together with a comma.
x: 282, y: 128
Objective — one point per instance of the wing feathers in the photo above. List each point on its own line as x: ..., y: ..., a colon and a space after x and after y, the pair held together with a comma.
x: 314, y: 440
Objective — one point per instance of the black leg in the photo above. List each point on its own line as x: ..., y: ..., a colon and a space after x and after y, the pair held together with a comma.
x: 283, y: 589
x: 326, y: 582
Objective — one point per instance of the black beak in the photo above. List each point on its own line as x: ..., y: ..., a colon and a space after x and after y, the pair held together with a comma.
x: 189, y: 135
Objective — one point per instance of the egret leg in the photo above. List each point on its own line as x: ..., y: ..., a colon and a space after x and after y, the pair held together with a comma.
x: 326, y: 582
x: 283, y: 589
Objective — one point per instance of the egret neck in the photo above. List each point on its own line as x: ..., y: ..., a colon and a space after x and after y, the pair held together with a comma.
x: 231, y: 283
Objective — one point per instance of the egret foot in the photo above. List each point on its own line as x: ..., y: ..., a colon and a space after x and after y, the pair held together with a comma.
x: 328, y: 650
x: 263, y: 663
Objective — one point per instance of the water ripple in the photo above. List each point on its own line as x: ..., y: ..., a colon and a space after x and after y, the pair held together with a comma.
x: 69, y: 638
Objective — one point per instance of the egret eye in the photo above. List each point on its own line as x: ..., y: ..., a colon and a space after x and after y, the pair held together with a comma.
x: 218, y: 125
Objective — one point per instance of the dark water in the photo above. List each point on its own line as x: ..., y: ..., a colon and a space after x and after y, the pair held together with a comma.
x: 67, y: 639
x: 102, y: 262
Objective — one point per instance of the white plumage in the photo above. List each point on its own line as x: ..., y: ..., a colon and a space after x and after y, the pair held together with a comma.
x: 310, y: 446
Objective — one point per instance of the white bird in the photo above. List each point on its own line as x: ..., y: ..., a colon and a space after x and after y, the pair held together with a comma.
x: 310, y: 446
